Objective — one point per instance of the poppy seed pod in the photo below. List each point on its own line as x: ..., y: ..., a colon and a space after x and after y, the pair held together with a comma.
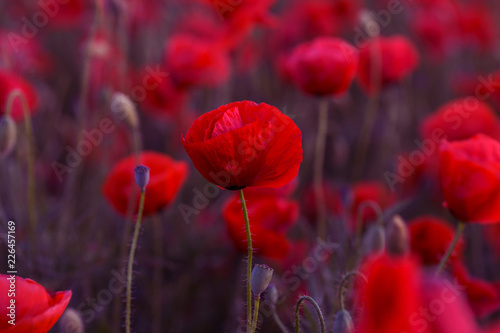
x: 397, y: 239
x: 343, y: 322
x: 142, y: 176
x: 273, y: 294
x: 71, y: 322
x: 123, y: 108
x: 261, y: 276
x: 8, y: 135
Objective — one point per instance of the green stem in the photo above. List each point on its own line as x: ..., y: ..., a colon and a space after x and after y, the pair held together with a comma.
x: 343, y: 282
x: 319, y: 166
x: 316, y: 307
x: 249, y: 264
x: 458, y: 233
x: 30, y: 161
x: 131, y: 262
x: 255, y: 314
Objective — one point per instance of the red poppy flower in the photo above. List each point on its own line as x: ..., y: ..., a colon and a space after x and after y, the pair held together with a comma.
x: 36, y: 311
x: 166, y: 178
x: 470, y: 178
x: 390, y: 296
x: 245, y: 144
x: 478, y: 26
x: 8, y: 83
x: 396, y: 58
x: 460, y: 119
x: 333, y: 200
x: 270, y: 218
x: 324, y: 66
x: 196, y: 62
x: 430, y: 237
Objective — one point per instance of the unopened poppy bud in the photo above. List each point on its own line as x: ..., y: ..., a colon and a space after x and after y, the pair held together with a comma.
x: 342, y: 322
x: 8, y: 135
x: 374, y: 240
x: 397, y: 236
x: 273, y: 294
x: 71, y: 322
x: 367, y: 19
x: 142, y: 176
x: 123, y: 108
x: 261, y: 276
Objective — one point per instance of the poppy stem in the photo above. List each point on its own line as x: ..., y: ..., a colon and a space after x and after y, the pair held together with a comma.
x: 458, y: 233
x: 359, y: 217
x: 278, y: 322
x: 318, y: 167
x: 255, y: 313
x: 249, y: 263
x: 316, y: 307
x: 30, y: 159
x: 342, y: 284
x: 131, y: 262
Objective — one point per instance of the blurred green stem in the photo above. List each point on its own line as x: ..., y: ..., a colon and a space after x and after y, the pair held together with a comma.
x: 318, y: 167
x: 30, y: 161
x: 131, y: 262
x: 255, y: 314
x: 458, y: 233
x: 316, y: 307
x: 249, y: 263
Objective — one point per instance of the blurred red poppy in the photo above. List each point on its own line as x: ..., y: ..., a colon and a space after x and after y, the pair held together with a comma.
x: 460, y: 119
x: 193, y: 61
x: 162, y: 98
x: 478, y: 28
x: 10, y: 82
x: 470, y: 178
x: 369, y: 191
x: 270, y: 218
x: 166, y: 178
x: 245, y: 144
x: 430, y: 237
x: 324, y: 66
x: 391, y: 295
x: 395, y: 57
x: 36, y: 311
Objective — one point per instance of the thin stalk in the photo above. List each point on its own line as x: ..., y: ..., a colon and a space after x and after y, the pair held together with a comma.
x: 458, y: 233
x: 30, y: 159
x: 316, y: 307
x: 278, y: 322
x: 359, y: 217
x: 255, y: 313
x: 343, y: 282
x: 249, y: 263
x: 319, y: 166
x: 131, y: 262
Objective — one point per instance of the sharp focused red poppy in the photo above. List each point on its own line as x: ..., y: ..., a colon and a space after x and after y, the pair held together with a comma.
x: 193, y: 61
x: 270, y: 218
x: 245, y: 144
x: 10, y: 82
x: 36, y: 310
x: 166, y: 178
x: 430, y: 237
x: 470, y: 178
x: 390, y: 297
x: 395, y: 57
x: 461, y: 119
x: 324, y: 66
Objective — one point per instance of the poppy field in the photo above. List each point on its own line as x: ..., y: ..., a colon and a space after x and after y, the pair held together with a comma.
x: 250, y: 166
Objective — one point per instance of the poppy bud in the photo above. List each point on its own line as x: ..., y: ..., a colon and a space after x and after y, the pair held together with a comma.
x: 374, y: 240
x: 123, y: 108
x: 261, y: 276
x: 8, y: 135
x: 371, y: 25
x: 397, y: 236
x: 273, y: 294
x: 343, y: 322
x: 142, y: 176
x: 71, y: 322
